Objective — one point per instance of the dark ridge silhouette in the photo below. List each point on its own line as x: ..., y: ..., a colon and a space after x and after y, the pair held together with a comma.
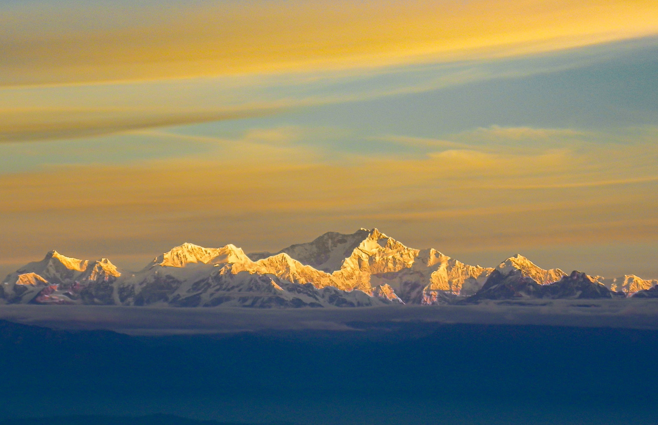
x: 647, y: 293
x: 514, y: 285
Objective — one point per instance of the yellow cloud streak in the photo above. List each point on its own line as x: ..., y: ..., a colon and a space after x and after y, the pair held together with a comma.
x: 41, y: 124
x: 216, y: 38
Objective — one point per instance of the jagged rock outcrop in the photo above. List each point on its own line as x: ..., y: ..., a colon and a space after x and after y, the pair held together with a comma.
x: 507, y: 286
x: 386, y: 292
x: 578, y: 286
x: 515, y: 286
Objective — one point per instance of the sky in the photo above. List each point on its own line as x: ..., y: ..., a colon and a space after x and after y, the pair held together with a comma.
x: 481, y: 128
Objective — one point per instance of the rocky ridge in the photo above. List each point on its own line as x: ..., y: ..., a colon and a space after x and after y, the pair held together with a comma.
x: 514, y: 285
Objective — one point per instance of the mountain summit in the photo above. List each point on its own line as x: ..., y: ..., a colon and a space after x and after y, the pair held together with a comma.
x: 56, y: 278
x: 187, y: 253
x: 529, y: 269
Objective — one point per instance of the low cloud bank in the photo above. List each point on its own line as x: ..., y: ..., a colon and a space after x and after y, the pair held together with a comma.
x: 635, y: 314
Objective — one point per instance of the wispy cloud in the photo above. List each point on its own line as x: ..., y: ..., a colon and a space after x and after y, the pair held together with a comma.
x: 424, y: 142
x: 84, y: 110
x: 583, y: 184
x: 498, y: 133
x: 42, y: 124
x: 148, y: 41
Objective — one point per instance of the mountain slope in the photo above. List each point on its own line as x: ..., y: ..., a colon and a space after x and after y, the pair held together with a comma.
x: 509, y: 286
x: 431, y: 276
x: 647, y: 293
x: 579, y: 286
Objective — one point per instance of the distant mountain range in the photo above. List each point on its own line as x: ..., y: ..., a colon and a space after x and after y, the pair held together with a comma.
x: 366, y: 268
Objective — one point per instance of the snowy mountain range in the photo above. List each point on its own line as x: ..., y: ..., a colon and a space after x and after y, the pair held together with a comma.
x: 366, y: 268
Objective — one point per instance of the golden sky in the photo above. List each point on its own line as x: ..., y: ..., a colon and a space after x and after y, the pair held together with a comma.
x: 46, y: 42
x: 480, y: 128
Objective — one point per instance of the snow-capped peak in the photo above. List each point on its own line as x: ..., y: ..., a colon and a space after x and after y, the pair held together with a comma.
x: 325, y: 253
x: 629, y: 284
x: 374, y: 233
x: 518, y: 259
x: 102, y: 268
x: 188, y: 253
x: 430, y: 257
x: 377, y: 240
x: 68, y: 262
x: 378, y: 254
x: 516, y: 262
x: 54, y: 264
x: 381, y: 238
x: 530, y: 269
x: 281, y: 258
